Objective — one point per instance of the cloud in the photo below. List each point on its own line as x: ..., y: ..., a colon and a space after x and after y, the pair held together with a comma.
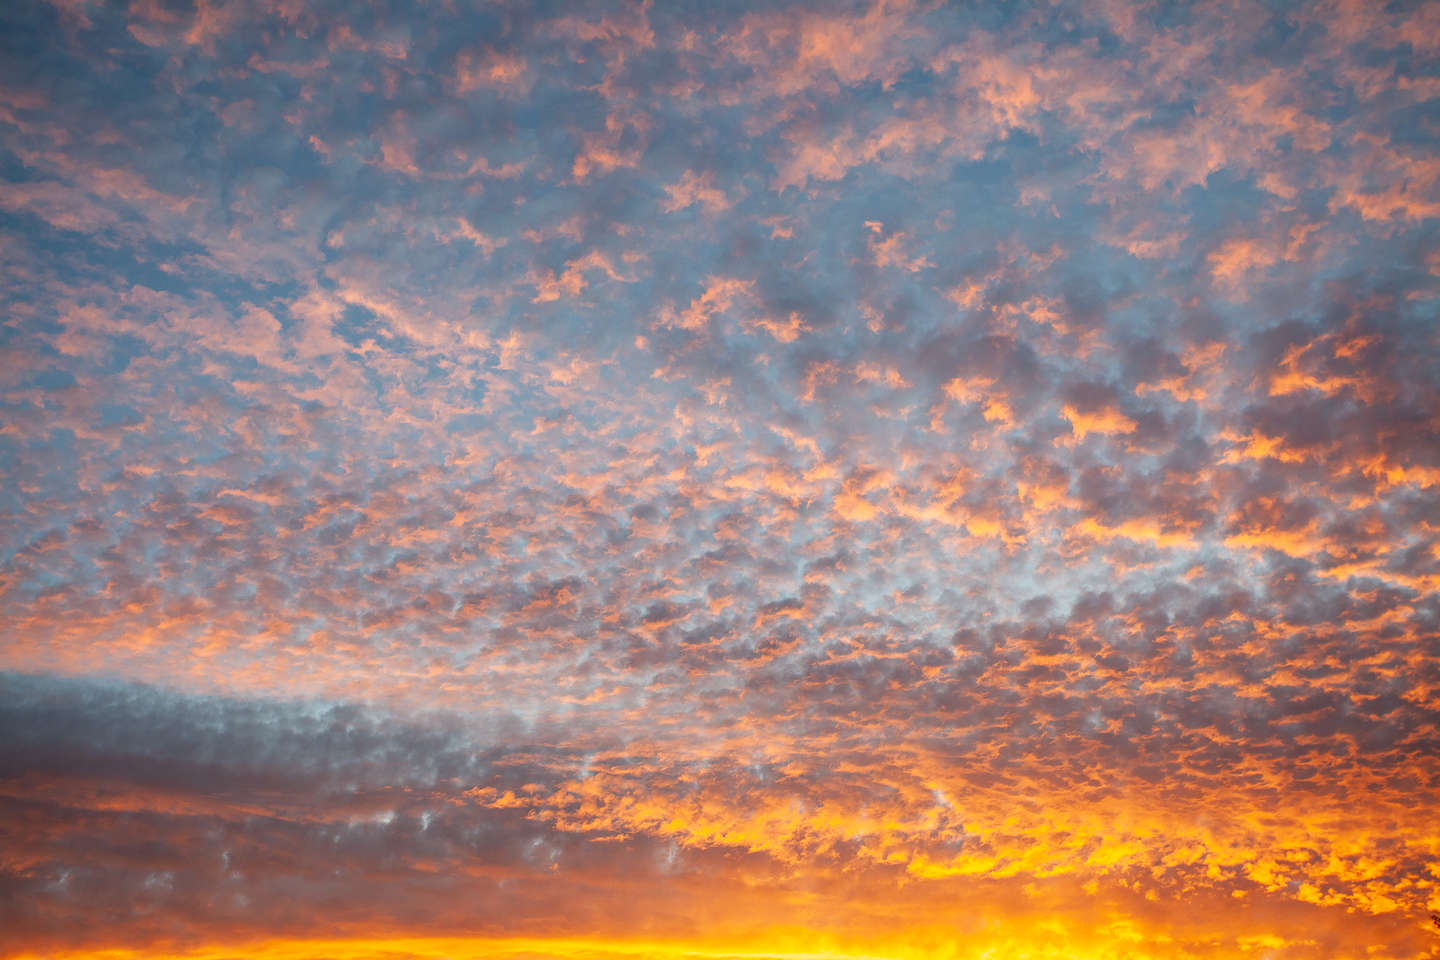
x: 617, y: 481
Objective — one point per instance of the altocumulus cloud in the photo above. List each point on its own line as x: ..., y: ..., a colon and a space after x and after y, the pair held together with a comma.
x: 627, y: 479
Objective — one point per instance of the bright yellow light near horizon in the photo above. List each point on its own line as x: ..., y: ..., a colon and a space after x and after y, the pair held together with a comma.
x: 458, y: 948
x: 784, y: 946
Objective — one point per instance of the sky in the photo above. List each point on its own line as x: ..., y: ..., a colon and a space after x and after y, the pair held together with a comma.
x: 677, y: 480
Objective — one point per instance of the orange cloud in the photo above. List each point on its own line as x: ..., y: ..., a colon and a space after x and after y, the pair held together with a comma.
x: 1108, y: 421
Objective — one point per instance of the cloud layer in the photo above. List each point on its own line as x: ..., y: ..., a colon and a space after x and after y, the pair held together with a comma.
x: 717, y: 480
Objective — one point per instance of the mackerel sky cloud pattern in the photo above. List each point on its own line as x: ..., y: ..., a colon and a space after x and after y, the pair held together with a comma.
x: 597, y: 480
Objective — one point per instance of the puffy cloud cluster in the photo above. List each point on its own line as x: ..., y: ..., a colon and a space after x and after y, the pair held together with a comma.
x: 627, y: 479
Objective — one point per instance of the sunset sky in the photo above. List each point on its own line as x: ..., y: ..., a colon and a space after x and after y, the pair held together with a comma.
x: 702, y: 479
